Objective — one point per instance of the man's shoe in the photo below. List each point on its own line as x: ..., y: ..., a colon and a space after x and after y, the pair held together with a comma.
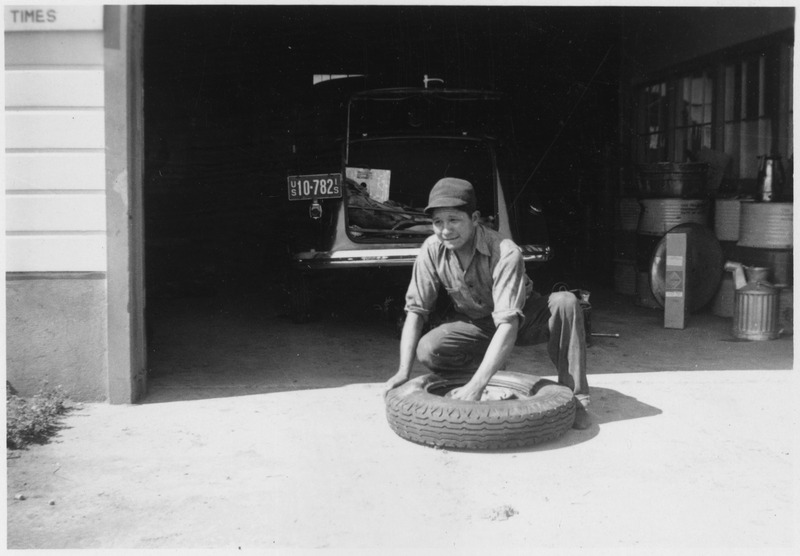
x: 582, y: 420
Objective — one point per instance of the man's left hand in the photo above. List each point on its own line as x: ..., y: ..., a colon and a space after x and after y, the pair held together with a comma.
x: 468, y: 392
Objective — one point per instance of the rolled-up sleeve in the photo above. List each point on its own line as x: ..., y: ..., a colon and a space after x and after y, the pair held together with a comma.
x: 510, y: 288
x: 424, y: 286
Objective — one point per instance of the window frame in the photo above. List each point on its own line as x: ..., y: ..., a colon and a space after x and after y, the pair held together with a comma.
x: 746, y: 109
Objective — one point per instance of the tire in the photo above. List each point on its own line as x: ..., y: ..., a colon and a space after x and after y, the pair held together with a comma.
x: 540, y: 411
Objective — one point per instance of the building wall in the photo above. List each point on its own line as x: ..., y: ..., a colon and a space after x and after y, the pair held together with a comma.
x: 56, y: 333
x: 657, y: 38
x: 56, y: 261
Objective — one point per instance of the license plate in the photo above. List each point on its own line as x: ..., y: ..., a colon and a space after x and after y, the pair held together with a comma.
x: 315, y: 186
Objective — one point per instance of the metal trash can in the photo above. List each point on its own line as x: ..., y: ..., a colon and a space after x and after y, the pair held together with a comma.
x: 756, y: 312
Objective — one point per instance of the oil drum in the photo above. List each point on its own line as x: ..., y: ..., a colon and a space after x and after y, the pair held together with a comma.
x: 766, y: 225
x: 726, y: 219
x: 658, y: 217
x: 628, y: 210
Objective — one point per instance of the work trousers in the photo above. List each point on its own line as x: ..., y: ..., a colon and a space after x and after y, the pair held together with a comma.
x: 460, y: 344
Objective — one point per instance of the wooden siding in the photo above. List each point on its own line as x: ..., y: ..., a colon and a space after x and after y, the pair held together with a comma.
x: 55, y: 252
x: 55, y: 129
x: 48, y: 171
x: 54, y: 48
x: 55, y: 177
x: 57, y: 212
x: 54, y: 88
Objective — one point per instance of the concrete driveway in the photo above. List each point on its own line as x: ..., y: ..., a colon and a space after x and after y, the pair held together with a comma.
x: 277, y: 439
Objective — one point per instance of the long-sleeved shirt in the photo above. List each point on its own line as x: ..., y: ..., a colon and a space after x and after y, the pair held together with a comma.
x: 494, y: 283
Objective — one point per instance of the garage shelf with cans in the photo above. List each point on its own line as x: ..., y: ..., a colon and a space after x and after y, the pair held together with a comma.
x: 750, y: 231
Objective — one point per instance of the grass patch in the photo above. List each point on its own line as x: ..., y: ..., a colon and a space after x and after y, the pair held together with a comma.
x: 34, y: 420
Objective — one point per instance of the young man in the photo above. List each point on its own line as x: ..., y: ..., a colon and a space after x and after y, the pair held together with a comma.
x: 494, y: 302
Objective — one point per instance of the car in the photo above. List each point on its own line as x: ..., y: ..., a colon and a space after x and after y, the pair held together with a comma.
x: 398, y: 142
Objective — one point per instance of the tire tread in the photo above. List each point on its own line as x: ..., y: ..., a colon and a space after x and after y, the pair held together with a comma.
x: 419, y: 416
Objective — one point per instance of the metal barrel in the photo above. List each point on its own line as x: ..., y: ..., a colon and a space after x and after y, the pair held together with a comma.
x: 726, y: 219
x: 661, y: 215
x: 672, y: 179
x: 628, y: 210
x: 766, y: 225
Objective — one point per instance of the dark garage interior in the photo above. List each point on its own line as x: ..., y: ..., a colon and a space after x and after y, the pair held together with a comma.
x: 225, y: 95
x: 230, y: 94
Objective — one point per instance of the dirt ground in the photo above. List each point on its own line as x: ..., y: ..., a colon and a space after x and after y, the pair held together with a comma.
x: 261, y: 434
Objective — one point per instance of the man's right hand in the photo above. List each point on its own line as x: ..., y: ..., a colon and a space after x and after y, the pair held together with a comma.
x: 412, y: 329
x: 398, y: 379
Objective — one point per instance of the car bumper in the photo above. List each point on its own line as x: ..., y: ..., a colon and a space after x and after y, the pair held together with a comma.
x: 351, y: 258
x: 357, y: 258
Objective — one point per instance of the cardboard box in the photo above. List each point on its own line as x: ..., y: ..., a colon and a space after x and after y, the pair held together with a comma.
x: 675, y: 281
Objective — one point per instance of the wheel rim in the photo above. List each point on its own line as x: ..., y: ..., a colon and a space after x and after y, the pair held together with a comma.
x: 498, y: 389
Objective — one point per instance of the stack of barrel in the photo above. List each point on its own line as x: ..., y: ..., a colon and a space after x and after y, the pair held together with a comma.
x: 669, y: 194
x: 756, y: 234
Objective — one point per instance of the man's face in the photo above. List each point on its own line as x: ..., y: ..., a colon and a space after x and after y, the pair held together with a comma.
x: 454, y: 228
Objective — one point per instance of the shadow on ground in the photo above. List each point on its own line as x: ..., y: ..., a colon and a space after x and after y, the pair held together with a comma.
x: 244, y: 343
x: 608, y: 406
x: 234, y: 345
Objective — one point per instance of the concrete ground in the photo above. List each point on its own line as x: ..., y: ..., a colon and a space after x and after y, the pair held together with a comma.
x: 258, y: 433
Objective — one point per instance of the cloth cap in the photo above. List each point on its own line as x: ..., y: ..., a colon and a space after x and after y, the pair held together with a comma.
x: 451, y: 193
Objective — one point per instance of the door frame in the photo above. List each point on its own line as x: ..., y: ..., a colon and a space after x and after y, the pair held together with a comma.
x: 124, y: 118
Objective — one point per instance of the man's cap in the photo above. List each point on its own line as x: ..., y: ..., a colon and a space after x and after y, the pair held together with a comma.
x: 451, y: 193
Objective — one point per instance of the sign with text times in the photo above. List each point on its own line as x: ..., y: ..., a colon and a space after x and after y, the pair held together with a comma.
x: 53, y: 18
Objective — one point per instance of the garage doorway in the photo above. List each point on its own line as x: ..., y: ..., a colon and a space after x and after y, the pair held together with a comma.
x: 228, y: 89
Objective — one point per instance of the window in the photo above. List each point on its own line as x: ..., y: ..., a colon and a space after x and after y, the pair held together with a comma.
x: 677, y: 118
x: 693, y: 125
x: 751, y: 109
x: 652, y: 131
x: 741, y: 106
